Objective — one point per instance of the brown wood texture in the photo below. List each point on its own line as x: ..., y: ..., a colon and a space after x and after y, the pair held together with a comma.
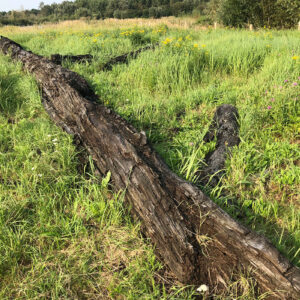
x: 225, y: 128
x: 198, y: 241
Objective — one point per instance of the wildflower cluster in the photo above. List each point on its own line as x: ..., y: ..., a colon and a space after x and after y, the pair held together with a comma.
x: 131, y: 32
x: 95, y: 37
x: 183, y: 43
x: 137, y: 36
x: 197, y: 46
x: 89, y: 37
x: 286, y: 88
x: 98, y: 34
x: 167, y: 41
x: 161, y: 30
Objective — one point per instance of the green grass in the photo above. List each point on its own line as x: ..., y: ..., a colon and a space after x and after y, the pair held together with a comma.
x: 65, y: 235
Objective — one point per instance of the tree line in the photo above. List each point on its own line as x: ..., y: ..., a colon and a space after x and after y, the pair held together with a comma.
x: 237, y: 13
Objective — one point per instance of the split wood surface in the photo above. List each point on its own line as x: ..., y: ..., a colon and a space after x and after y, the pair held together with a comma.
x: 197, y: 240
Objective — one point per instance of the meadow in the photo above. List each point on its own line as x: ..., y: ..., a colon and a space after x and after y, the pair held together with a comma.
x: 64, y: 234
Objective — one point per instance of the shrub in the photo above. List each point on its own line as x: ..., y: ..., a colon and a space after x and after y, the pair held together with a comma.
x: 273, y: 13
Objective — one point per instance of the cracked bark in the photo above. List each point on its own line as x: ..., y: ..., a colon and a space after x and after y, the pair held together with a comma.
x: 197, y: 240
x: 225, y: 128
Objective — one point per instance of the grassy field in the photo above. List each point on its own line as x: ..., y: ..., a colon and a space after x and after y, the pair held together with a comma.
x: 64, y: 234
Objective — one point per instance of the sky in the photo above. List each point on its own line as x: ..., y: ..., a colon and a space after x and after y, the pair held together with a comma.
x: 6, y: 5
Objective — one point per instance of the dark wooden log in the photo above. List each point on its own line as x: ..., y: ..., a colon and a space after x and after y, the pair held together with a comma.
x: 197, y: 240
x: 58, y: 58
x: 225, y: 128
x: 121, y: 59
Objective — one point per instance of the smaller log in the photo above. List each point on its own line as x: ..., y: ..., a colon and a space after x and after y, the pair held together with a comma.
x: 58, y: 58
x: 125, y: 57
x: 225, y: 128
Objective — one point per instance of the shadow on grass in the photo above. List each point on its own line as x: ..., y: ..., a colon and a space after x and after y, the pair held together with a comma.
x: 11, y: 97
x: 280, y: 237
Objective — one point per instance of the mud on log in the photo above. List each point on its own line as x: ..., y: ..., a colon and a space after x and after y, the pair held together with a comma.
x: 198, y: 241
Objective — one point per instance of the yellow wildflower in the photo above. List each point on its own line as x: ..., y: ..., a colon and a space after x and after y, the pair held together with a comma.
x: 295, y: 57
x: 196, y: 46
x: 167, y: 41
x: 203, y: 45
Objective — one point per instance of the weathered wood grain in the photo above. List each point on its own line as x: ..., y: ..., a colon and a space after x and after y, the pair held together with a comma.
x: 225, y: 128
x: 197, y: 240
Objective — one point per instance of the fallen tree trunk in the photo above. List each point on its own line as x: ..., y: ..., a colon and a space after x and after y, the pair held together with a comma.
x: 225, y: 128
x: 125, y: 57
x: 198, y: 241
x: 58, y: 58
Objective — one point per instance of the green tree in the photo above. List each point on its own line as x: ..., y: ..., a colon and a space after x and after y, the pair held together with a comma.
x: 274, y: 13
